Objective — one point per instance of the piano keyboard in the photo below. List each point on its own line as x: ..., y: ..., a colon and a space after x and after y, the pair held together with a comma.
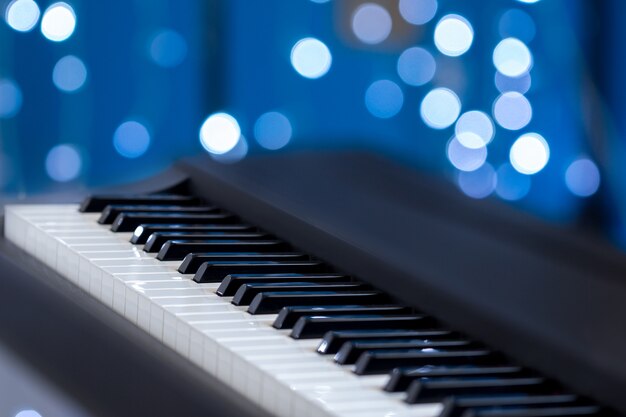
x: 282, y: 328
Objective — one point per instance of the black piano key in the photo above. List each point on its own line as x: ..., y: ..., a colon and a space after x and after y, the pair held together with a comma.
x: 310, y: 327
x: 576, y: 411
x: 110, y: 213
x: 97, y: 203
x: 176, y: 250
x: 128, y: 222
x: 217, y: 271
x: 351, y: 351
x: 400, y: 378
x: 246, y: 293
x: 143, y: 231
x: 456, y: 406
x: 288, y: 316
x: 192, y: 262
x: 231, y: 283
x: 332, y: 341
x: 381, y: 362
x: 272, y: 302
x: 430, y: 390
x: 158, y: 239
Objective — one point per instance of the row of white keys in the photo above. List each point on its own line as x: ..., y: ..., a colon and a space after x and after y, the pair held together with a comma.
x: 283, y: 375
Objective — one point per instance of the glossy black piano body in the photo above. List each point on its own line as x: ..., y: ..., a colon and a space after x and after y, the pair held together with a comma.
x: 550, y: 298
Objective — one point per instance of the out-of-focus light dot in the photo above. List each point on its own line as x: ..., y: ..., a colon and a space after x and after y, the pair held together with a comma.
x: 528, y: 1
x: 474, y: 129
x: 416, y: 66
x: 69, y: 74
x: 440, y: 108
x: 512, y: 57
x: 465, y: 159
x: 512, y: 185
x: 272, y: 130
x: 220, y: 133
x: 479, y: 183
x: 530, y: 153
x: 10, y: 98
x: 22, y: 15
x: 384, y: 99
x: 28, y: 413
x: 236, y: 154
x: 582, y: 177
x: 168, y: 48
x: 371, y: 23
x: 63, y: 163
x: 418, y: 12
x: 311, y: 58
x: 131, y: 139
x: 58, y: 22
x: 453, y: 35
x: 516, y: 23
x: 320, y: 1
x: 520, y: 84
x: 512, y: 111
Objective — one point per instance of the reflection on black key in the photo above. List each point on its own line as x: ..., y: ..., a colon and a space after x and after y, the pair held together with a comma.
x: 143, y: 231
x: 272, y: 302
x: 427, y: 390
x: 455, y: 407
x: 310, y: 327
x: 175, y: 250
x: 246, y: 293
x: 194, y: 261
x: 400, y: 378
x: 381, y: 362
x: 97, y: 203
x: 577, y: 411
x: 110, y: 213
x: 350, y: 351
x: 217, y: 271
x: 128, y: 222
x: 231, y: 283
x: 288, y: 316
x: 332, y: 341
x: 158, y: 239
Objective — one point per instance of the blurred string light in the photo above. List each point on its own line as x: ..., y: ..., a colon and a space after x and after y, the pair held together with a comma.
x: 22, y: 15
x: 528, y: 1
x: 220, y: 133
x: 512, y: 110
x: 479, y: 183
x: 515, y: 23
x: 168, y: 48
x: 384, y: 99
x: 530, y: 153
x: 416, y: 66
x: 440, y: 108
x: 131, y: 139
x: 237, y: 153
x: 371, y: 23
x: 58, y: 22
x: 272, y: 130
x: 10, y: 98
x: 582, y: 177
x: 512, y: 185
x: 519, y: 84
x: 453, y: 35
x: 28, y: 413
x: 311, y: 58
x: 465, y: 159
x: 512, y: 57
x: 63, y: 163
x: 474, y: 129
x: 69, y: 74
x: 418, y: 12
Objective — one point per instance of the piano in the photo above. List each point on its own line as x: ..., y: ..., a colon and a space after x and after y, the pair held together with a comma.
x: 312, y: 284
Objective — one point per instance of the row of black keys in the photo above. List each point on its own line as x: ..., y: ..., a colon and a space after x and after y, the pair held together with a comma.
x: 358, y: 324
